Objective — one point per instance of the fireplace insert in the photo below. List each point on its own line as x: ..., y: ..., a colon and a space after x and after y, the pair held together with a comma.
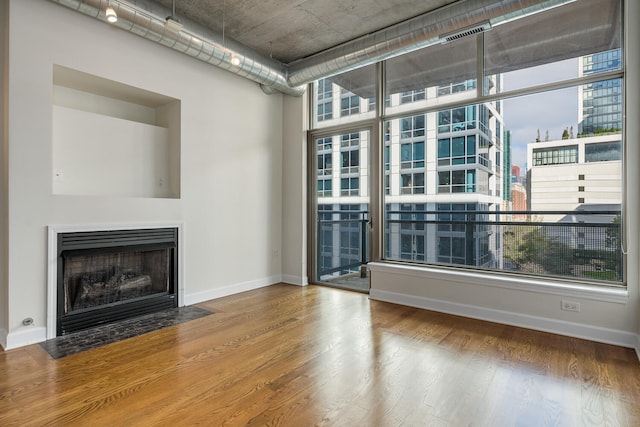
x: 108, y: 276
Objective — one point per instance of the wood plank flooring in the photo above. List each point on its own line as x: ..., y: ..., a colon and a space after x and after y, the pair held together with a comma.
x: 292, y: 356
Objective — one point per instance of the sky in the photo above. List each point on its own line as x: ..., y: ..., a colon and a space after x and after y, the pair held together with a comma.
x: 553, y: 111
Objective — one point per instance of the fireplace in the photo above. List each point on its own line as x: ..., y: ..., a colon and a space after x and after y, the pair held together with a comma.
x: 108, y: 276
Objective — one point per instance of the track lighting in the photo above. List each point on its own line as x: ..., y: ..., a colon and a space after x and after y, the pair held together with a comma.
x: 110, y: 14
x: 172, y: 22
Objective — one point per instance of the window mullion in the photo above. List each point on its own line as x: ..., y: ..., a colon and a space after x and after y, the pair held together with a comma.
x: 480, y: 65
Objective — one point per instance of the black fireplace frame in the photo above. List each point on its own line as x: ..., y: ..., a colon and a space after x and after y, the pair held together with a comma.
x: 97, y: 242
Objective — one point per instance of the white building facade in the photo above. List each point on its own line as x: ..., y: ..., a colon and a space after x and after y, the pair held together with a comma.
x: 566, y: 174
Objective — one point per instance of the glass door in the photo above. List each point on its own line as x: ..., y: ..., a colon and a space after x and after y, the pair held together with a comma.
x: 342, y: 214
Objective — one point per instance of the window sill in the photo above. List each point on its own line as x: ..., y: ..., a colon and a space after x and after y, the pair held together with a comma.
x: 526, y: 284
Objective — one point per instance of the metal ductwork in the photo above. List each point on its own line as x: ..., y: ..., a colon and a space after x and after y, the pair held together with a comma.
x: 142, y: 18
x: 416, y: 33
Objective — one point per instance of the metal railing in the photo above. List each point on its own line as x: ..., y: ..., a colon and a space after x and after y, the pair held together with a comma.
x: 579, y: 244
x: 336, y: 256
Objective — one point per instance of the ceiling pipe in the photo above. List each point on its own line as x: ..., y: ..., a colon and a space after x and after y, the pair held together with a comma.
x: 143, y: 19
x: 416, y: 33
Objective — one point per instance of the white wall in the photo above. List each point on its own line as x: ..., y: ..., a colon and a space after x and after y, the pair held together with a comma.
x: 294, y: 190
x: 99, y: 155
x: 4, y: 87
x: 169, y: 116
x: 603, y: 317
x: 231, y: 160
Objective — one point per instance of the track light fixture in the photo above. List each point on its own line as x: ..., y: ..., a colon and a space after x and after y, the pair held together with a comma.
x: 110, y: 14
x: 172, y: 22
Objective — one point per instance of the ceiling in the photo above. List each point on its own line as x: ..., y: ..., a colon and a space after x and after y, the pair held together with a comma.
x: 289, y: 30
x: 285, y: 44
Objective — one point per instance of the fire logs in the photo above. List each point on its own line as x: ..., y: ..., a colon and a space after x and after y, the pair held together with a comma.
x: 94, y: 290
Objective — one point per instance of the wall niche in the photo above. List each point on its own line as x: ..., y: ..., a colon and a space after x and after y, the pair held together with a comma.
x: 113, y: 140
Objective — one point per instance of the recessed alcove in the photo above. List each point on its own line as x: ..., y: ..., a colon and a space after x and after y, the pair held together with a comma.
x: 112, y: 139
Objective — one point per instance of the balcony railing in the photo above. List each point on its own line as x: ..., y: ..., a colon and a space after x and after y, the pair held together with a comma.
x: 581, y: 245
x: 571, y: 244
x: 343, y: 242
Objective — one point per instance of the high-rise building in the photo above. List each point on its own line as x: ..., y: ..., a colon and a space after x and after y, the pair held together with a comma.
x: 518, y: 201
x: 599, y: 106
x: 515, y: 174
x: 436, y: 164
x: 569, y: 173
x: 506, y: 167
x: 566, y: 174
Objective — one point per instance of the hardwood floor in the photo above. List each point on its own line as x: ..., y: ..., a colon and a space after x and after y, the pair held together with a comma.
x: 292, y: 356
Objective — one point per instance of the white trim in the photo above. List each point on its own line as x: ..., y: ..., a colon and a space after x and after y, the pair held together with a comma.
x: 250, y: 285
x: 26, y: 336
x: 52, y: 259
x: 549, y: 287
x: 295, y: 280
x: 3, y: 338
x: 593, y: 333
x: 638, y: 346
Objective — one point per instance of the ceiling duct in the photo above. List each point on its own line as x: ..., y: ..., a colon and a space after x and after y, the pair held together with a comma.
x: 413, y: 34
x: 143, y: 19
x: 446, y: 38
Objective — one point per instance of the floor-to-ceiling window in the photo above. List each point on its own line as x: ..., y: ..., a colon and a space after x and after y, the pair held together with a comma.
x: 534, y: 103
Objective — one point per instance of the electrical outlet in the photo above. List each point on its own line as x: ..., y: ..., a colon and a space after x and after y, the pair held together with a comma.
x: 570, y: 306
x: 58, y: 175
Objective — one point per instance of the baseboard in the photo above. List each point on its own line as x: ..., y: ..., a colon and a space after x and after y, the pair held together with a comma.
x: 295, y: 280
x: 195, y: 298
x: 593, y: 333
x: 638, y: 346
x: 26, y: 336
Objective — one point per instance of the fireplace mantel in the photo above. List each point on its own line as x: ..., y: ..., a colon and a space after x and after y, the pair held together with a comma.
x: 52, y: 271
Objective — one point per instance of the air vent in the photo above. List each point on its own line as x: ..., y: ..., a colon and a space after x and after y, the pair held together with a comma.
x: 480, y: 28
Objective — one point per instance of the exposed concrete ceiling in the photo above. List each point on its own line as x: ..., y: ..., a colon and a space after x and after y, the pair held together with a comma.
x: 288, y: 30
x: 334, y: 48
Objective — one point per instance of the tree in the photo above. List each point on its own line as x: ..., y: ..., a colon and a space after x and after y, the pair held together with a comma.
x: 614, y: 242
x: 613, y: 233
x: 565, y: 134
x: 531, y: 249
x: 548, y: 252
x: 511, y: 244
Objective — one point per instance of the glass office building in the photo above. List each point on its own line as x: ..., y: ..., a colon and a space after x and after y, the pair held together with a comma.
x: 600, y: 106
